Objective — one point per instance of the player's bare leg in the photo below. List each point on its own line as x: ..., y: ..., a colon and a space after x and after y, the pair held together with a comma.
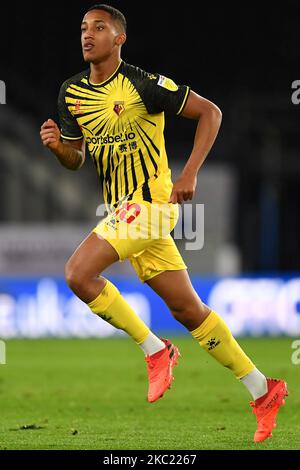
x: 88, y: 261
x: 175, y: 288
x: 82, y: 273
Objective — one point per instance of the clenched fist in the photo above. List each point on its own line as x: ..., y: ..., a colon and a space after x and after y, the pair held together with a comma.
x: 184, y: 188
x: 50, y: 134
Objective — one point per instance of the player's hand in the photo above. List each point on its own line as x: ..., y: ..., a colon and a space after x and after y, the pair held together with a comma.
x: 50, y: 134
x: 184, y: 188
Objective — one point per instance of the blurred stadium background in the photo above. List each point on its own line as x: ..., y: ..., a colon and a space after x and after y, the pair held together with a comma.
x: 249, y: 183
x: 242, y: 57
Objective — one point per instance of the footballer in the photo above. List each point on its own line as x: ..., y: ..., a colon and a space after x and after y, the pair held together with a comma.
x: 117, y: 111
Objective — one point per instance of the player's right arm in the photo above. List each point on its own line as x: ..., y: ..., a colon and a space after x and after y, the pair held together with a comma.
x: 70, y: 154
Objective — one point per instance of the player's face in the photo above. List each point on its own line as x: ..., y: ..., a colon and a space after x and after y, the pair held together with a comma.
x: 99, y: 36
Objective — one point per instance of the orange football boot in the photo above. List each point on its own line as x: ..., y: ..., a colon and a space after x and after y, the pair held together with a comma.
x: 266, y: 408
x: 160, y: 370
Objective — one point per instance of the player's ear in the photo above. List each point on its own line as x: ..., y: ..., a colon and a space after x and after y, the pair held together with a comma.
x: 120, y: 39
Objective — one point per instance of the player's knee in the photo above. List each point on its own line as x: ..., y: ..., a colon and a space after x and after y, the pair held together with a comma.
x: 74, y: 277
x: 190, y: 313
x: 182, y: 313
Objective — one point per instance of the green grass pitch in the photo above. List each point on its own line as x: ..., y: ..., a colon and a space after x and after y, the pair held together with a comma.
x: 91, y: 394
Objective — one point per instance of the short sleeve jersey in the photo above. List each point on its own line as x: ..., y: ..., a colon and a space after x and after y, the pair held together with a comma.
x: 122, y: 122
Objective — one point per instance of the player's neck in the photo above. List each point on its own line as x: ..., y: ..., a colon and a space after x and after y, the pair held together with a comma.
x: 101, y: 71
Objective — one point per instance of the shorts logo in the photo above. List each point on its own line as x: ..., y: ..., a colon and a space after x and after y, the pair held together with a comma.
x: 119, y: 107
x: 128, y: 212
x: 167, y: 83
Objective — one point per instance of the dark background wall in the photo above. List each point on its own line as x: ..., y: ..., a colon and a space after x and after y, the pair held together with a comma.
x: 244, y: 57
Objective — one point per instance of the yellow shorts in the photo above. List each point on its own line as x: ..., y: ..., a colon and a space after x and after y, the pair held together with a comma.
x: 140, y: 231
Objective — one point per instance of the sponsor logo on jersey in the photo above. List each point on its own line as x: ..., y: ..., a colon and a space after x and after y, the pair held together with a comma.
x: 167, y: 83
x: 110, y: 139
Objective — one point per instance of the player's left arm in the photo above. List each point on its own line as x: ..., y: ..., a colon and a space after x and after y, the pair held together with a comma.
x: 209, y: 119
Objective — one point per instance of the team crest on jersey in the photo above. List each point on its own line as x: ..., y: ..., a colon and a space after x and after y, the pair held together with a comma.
x: 119, y: 107
x: 167, y: 83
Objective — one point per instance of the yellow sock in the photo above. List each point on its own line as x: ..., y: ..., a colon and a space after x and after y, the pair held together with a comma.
x: 113, y: 308
x: 215, y: 337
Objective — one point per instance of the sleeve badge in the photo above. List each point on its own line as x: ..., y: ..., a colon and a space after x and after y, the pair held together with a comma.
x: 167, y: 83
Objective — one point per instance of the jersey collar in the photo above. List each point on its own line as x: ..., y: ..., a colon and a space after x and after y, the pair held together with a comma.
x: 107, y: 80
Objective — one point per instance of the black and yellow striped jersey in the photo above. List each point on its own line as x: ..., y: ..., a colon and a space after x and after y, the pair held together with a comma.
x: 122, y: 122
